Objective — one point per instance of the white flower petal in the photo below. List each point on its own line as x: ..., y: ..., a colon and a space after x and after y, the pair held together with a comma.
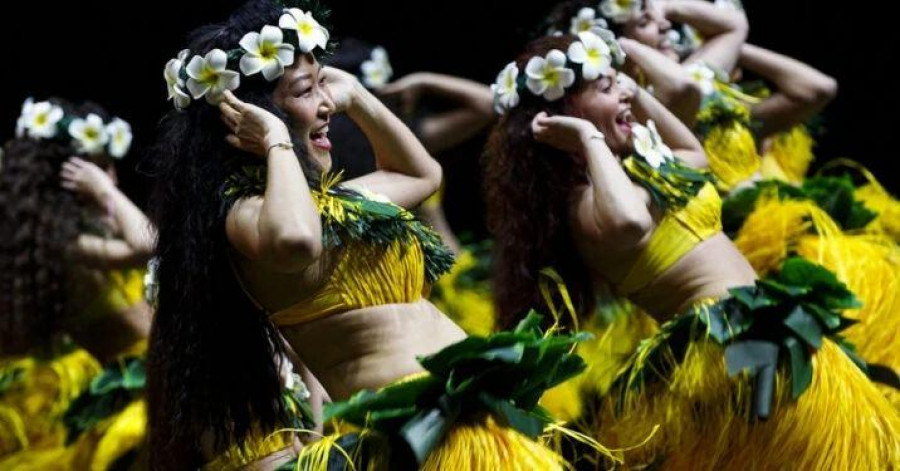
x: 273, y: 70
x: 286, y: 54
x: 287, y: 21
x: 554, y: 93
x: 217, y: 60
x: 197, y: 89
x: 196, y: 68
x: 536, y: 86
x: 250, y: 42
x: 250, y: 64
x: 271, y: 35
x: 566, y: 77
x: 577, y: 52
x: 556, y: 58
x: 535, y: 68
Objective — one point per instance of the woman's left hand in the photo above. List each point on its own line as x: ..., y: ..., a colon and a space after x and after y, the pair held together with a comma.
x: 86, y: 178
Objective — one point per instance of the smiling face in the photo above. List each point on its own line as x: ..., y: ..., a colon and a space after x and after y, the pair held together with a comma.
x: 608, y: 106
x: 304, y: 96
x: 650, y: 28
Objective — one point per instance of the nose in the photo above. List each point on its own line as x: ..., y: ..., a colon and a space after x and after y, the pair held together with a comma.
x: 326, y: 105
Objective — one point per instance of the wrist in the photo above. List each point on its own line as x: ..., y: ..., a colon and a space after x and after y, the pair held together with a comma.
x: 591, y: 136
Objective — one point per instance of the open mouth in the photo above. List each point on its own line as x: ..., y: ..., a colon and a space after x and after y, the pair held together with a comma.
x: 319, y: 139
x: 624, y: 121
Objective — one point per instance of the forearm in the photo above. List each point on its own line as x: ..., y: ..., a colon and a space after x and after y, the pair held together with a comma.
x: 792, y: 77
x: 671, y: 83
x: 136, y: 229
x: 467, y: 93
x: 725, y: 32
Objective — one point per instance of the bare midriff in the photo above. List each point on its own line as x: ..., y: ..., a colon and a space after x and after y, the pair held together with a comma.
x: 372, y: 347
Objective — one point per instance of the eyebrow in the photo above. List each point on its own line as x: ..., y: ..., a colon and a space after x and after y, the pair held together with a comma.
x: 305, y: 76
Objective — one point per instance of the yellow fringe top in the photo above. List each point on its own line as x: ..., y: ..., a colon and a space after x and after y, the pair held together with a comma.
x: 677, y: 233
x: 123, y: 289
x: 366, y: 275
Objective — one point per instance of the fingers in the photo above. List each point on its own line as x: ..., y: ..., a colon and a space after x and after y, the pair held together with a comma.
x: 233, y: 101
x: 234, y: 141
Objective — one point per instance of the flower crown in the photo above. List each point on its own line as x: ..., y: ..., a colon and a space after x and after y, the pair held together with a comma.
x: 88, y: 135
x: 268, y: 52
x: 592, y: 56
x: 377, y: 71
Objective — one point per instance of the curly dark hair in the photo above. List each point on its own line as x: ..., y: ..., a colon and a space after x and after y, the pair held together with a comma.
x: 529, y: 195
x: 211, y: 360
x: 39, y: 222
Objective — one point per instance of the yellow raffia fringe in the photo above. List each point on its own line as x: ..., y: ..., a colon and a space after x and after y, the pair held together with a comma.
x: 39, y: 400
x: 840, y: 422
x: 870, y: 266
x: 789, y: 156
x: 98, y: 448
x: 868, y: 263
x: 774, y: 228
x: 471, y: 309
x: 731, y: 150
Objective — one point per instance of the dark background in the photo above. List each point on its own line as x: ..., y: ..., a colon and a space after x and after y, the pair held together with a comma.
x: 113, y: 52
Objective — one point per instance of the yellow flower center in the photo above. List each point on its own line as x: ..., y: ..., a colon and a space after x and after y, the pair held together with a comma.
x: 623, y: 3
x: 41, y: 119
x: 91, y: 133
x: 268, y: 51
x: 306, y: 28
x: 551, y: 76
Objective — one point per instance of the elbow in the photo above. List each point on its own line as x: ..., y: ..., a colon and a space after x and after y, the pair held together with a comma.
x: 433, y: 177
x: 740, y: 25
x: 818, y: 93
x: 825, y: 90
x: 293, y: 250
x: 628, y: 231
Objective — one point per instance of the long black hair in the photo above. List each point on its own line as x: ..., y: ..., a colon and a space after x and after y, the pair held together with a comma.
x: 39, y: 223
x: 528, y: 194
x: 211, y: 361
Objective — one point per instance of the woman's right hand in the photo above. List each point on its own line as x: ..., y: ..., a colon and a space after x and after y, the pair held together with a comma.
x: 565, y: 133
x: 253, y: 129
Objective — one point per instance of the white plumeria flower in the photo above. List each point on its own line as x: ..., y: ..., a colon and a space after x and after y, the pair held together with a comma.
x: 42, y: 119
x: 89, y: 133
x: 593, y: 54
x: 618, y: 54
x: 548, y: 76
x: 377, y: 71
x: 286, y: 371
x: 208, y: 76
x: 506, y: 89
x: 151, y: 281
x: 703, y: 75
x: 664, y: 150
x: 120, y: 137
x: 649, y: 145
x: 586, y: 20
x: 310, y: 34
x: 175, y: 83
x: 620, y: 11
x: 22, y: 122
x: 266, y: 52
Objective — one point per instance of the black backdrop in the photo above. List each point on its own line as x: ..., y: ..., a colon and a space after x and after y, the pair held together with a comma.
x: 113, y: 52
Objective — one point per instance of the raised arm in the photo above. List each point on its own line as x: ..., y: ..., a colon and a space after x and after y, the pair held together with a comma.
x: 441, y: 131
x: 612, y: 211
x: 281, y: 229
x: 724, y: 30
x: 671, y: 83
x: 673, y: 131
x: 136, y: 237
x: 406, y: 173
x: 801, y: 91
